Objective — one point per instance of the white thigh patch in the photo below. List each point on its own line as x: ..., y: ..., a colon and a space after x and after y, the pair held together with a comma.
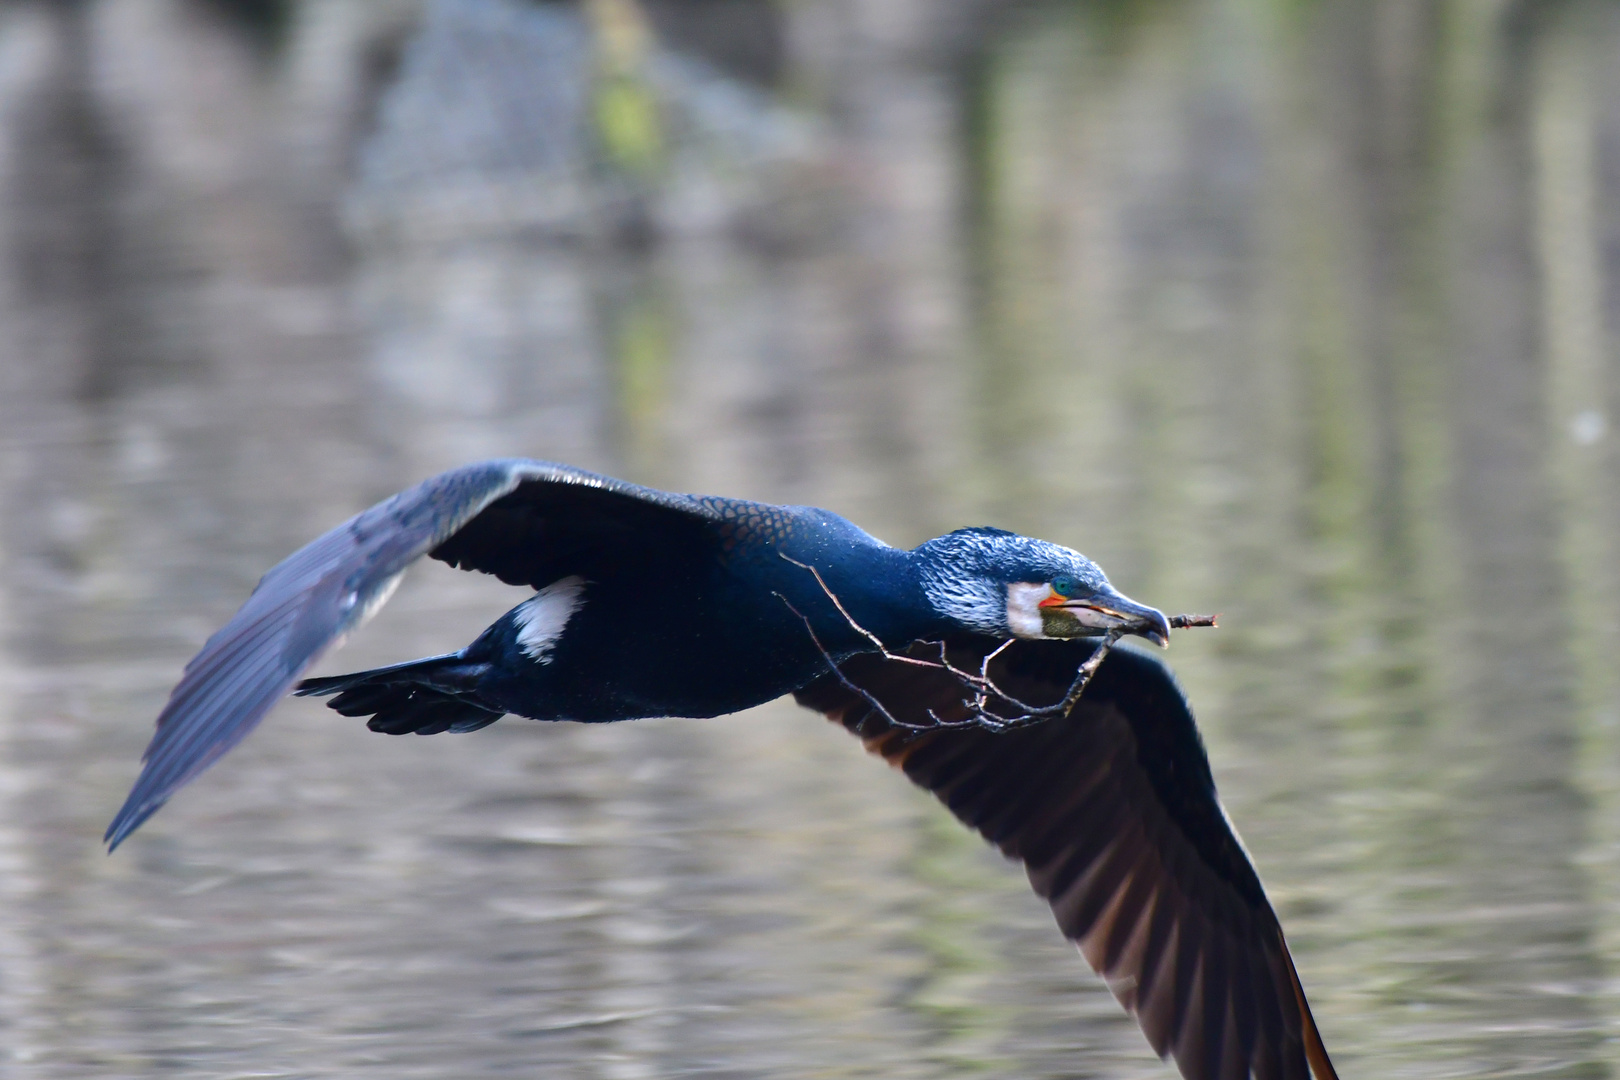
x: 540, y: 621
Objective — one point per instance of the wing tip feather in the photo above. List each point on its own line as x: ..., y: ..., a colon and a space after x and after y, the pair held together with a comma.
x: 1316, y: 1054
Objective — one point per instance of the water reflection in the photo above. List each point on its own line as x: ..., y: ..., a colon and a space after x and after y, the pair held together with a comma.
x: 1303, y: 313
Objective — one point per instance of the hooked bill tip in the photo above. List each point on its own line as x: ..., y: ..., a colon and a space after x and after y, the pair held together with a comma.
x: 1154, y: 626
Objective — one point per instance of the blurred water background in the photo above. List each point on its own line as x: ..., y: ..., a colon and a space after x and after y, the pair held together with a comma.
x: 1302, y: 311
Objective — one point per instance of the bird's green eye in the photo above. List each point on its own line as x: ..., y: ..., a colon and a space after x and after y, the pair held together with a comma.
x: 1065, y: 586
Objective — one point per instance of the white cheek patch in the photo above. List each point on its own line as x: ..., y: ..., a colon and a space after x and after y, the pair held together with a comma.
x: 540, y: 621
x: 1024, y: 609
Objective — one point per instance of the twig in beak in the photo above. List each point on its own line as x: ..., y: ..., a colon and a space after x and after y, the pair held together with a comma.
x: 982, y: 688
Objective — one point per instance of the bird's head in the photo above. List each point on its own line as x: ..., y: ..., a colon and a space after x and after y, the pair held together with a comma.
x: 996, y: 582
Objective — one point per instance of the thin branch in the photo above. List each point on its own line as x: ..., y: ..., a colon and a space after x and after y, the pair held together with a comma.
x: 981, y: 687
x: 859, y: 629
x: 871, y: 699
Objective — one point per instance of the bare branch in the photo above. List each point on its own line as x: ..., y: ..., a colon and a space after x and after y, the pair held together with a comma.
x: 871, y: 699
x: 858, y: 628
x: 982, y: 691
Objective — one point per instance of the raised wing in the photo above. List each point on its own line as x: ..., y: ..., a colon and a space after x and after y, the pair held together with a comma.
x: 519, y: 520
x: 1113, y: 812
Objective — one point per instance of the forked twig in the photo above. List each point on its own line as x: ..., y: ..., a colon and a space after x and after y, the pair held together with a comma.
x: 979, y: 682
x: 871, y: 699
x: 857, y: 627
x: 981, y: 687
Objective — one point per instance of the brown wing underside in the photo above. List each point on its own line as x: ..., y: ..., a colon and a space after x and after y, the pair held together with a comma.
x: 1114, y: 816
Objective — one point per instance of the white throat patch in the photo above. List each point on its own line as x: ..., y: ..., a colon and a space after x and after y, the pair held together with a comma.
x: 540, y: 620
x: 1024, y: 609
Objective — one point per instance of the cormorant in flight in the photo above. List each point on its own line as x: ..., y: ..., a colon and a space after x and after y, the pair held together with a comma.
x: 965, y: 662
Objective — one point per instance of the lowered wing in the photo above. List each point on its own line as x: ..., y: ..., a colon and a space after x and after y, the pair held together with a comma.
x: 1113, y: 812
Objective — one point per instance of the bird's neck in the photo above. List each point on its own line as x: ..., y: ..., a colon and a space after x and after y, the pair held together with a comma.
x: 881, y: 592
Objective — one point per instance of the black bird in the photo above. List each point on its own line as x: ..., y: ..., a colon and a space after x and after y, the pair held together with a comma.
x: 963, y: 662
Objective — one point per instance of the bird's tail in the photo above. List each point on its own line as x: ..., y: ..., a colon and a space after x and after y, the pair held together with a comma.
x: 422, y: 696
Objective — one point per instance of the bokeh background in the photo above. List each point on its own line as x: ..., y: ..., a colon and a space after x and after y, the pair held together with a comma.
x: 1302, y: 311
